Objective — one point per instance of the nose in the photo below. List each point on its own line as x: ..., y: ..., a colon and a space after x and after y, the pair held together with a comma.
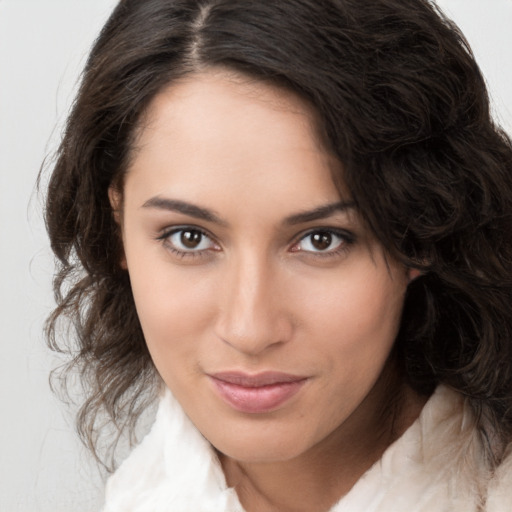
x: 253, y: 311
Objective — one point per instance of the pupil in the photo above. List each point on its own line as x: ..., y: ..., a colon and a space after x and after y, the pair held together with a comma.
x: 321, y: 240
x: 191, y: 239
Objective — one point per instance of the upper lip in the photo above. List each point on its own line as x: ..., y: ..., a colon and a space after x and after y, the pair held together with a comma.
x: 247, y: 380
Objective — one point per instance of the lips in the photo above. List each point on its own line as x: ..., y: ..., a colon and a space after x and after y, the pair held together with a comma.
x: 260, y: 393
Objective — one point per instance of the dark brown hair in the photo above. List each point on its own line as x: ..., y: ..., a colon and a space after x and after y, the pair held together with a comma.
x: 401, y: 103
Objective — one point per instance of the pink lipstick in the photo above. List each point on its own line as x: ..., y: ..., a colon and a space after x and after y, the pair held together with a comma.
x: 258, y: 393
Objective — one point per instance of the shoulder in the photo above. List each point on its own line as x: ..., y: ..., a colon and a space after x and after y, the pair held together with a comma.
x: 438, y: 464
x: 499, y: 491
x: 173, y: 468
x: 451, y: 429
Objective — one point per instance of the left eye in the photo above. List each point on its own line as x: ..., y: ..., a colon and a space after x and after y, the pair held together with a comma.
x: 189, y: 240
x: 320, y: 241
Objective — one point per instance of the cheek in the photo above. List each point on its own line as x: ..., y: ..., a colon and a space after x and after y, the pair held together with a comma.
x: 369, y: 300
x: 354, y: 326
x: 354, y: 321
x: 174, y: 308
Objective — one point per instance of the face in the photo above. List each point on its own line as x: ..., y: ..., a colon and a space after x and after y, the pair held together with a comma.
x: 267, y: 307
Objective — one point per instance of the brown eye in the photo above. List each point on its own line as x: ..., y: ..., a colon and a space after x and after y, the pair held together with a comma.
x: 191, y: 239
x: 321, y: 240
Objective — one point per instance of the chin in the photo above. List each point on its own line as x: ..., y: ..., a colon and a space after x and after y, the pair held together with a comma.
x: 267, y: 444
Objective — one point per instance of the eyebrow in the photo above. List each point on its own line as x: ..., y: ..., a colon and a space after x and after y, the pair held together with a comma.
x: 321, y: 212
x: 175, y: 205
x: 192, y: 210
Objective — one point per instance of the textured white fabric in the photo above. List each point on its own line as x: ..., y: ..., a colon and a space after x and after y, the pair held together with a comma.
x: 436, y: 466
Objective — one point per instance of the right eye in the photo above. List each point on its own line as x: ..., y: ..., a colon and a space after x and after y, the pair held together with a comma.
x: 188, y: 241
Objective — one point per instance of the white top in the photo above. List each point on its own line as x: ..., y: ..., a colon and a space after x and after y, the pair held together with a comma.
x: 437, y: 465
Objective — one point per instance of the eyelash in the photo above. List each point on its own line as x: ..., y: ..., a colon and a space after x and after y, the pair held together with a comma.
x: 346, y: 240
x: 166, y: 236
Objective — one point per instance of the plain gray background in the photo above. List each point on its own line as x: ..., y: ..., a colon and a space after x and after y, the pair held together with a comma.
x: 43, y: 44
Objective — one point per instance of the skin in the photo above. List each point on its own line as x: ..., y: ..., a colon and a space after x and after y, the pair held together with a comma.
x: 256, y: 293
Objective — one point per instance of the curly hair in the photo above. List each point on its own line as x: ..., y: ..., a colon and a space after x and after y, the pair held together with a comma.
x: 402, y: 104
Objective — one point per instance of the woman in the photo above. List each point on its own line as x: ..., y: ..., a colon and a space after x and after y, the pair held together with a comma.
x: 292, y: 222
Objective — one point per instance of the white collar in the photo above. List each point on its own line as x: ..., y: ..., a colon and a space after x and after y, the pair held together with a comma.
x: 436, y: 465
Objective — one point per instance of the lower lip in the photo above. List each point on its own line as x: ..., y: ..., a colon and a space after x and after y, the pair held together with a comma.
x: 259, y: 399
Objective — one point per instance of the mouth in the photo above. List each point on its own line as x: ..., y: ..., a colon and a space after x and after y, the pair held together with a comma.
x: 256, y: 394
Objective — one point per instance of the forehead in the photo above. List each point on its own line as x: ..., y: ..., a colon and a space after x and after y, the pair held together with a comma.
x: 221, y: 100
x: 218, y: 132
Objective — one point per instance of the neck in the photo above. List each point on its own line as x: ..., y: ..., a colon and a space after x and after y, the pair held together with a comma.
x: 319, y: 478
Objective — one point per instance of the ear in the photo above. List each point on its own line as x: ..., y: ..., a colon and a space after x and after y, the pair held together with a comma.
x: 116, y: 202
x: 413, y: 273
